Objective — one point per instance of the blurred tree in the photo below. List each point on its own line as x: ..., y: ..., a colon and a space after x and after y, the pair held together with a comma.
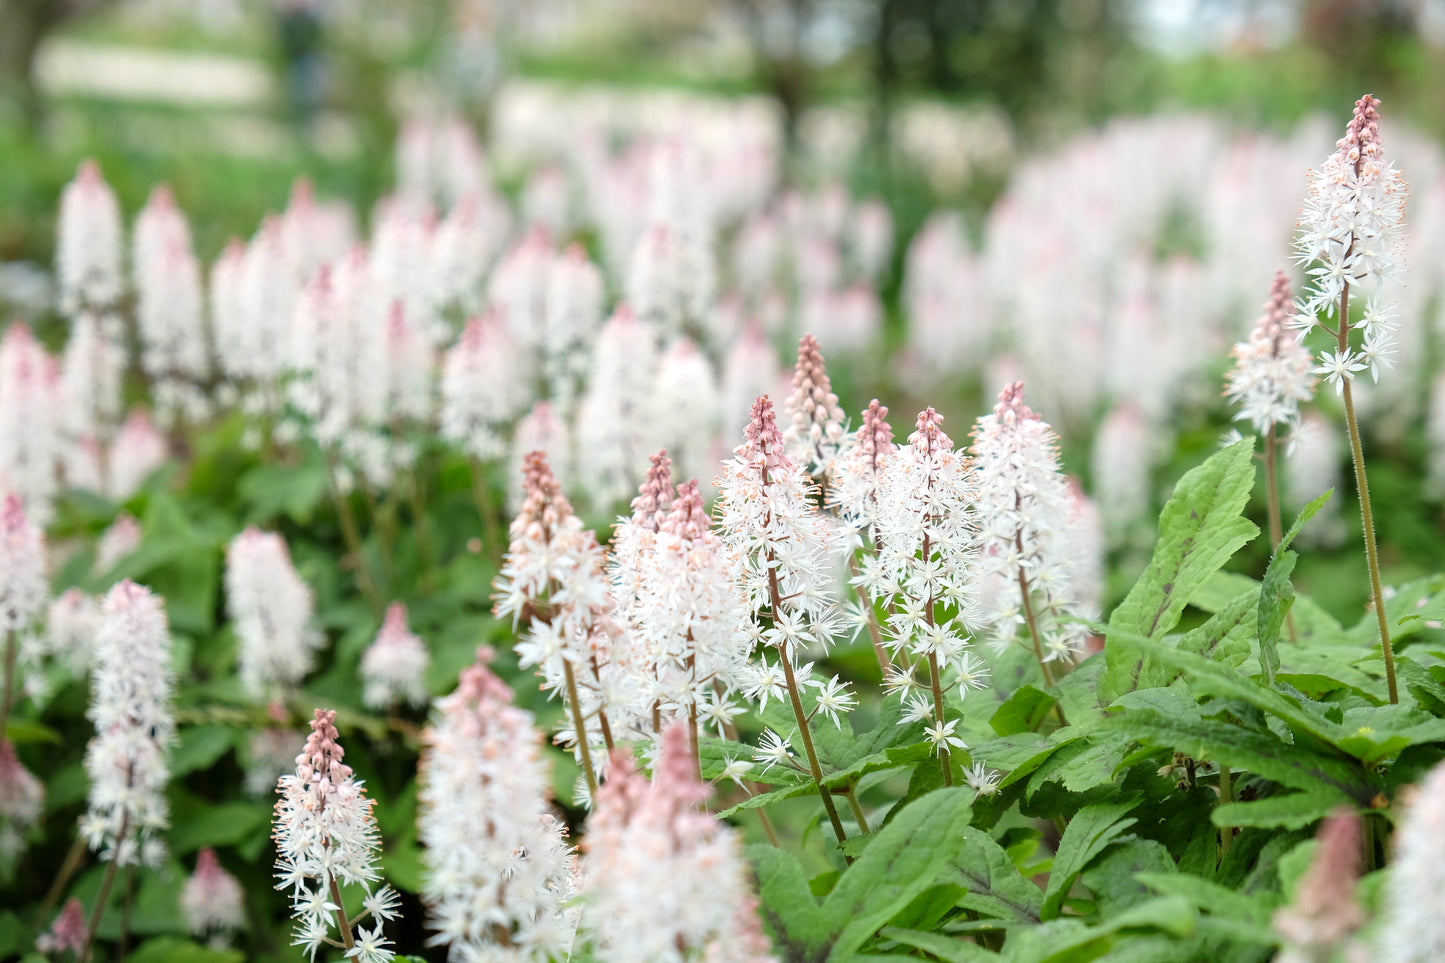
x: 775, y: 28
x: 24, y: 24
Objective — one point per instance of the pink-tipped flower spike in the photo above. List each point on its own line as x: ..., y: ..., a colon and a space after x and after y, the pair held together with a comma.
x: 466, y: 243
x: 927, y: 538
x: 1121, y: 463
x: 326, y: 839
x: 411, y: 367
x: 484, y: 386
x: 691, y: 617
x: 1324, y: 913
x: 1025, y: 515
x: 518, y: 290
x: 1350, y: 236
x: 393, y: 665
x: 633, y: 538
x: 502, y: 881
x: 138, y: 450
x: 270, y: 609
x: 31, y: 408
x: 67, y: 933
x: 664, y: 881
x: 130, y: 682
x: 169, y: 307
x: 1271, y: 374
x: 856, y: 479
x: 120, y: 538
x: 1351, y: 230
x: 784, y: 548
x: 751, y: 368
x: 228, y: 319
x: 211, y: 900
x: 614, y: 412
x: 88, y: 243
x: 815, y: 419
x: 553, y: 578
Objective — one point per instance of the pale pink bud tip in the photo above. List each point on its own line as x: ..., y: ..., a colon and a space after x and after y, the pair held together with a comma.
x: 655, y: 493
x: 764, y: 445
x: 21, y: 795
x: 929, y: 436
x: 1011, y: 405
x: 67, y: 933
x: 1324, y: 910
x: 876, y: 435
x: 1362, y: 136
x: 12, y: 516
x: 673, y: 772
x: 478, y: 683
x: 688, y: 519
x: 321, y: 759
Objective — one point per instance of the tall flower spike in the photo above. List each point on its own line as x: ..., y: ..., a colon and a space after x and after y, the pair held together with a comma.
x: 614, y: 413
x: 927, y: 538
x: 1350, y: 229
x: 784, y: 550
x: 815, y: 419
x: 31, y: 403
x: 211, y: 899
x: 484, y: 386
x: 501, y: 881
x: 1025, y: 515
x: 326, y: 838
x: 271, y: 608
x: 88, y: 243
x: 23, y: 582
x: 393, y: 665
x: 553, y: 578
x: 1271, y: 374
x: 22, y: 797
x: 663, y: 880
x: 130, y: 704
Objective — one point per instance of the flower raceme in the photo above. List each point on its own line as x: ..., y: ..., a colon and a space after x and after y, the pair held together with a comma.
x: 326, y: 838
x: 126, y: 761
x: 664, y: 882
x: 271, y: 608
x: 1350, y: 234
x: 393, y: 665
x: 499, y: 869
x: 211, y: 899
x: 1272, y: 372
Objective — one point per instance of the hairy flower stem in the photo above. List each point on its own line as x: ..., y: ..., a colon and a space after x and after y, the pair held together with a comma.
x: 692, y: 709
x: 935, y: 681
x: 126, y: 905
x: 817, y: 770
x: 1026, y: 593
x: 7, y: 698
x: 103, y: 896
x: 1276, y: 531
x: 341, y: 921
x: 1372, y: 551
x: 731, y: 731
x: 579, y: 728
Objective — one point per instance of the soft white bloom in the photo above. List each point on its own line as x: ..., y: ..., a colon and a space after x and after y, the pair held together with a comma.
x: 393, y: 665
x: 1271, y: 375
x: 1025, y: 519
x: 484, y: 386
x: 326, y: 837
x: 541, y: 429
x: 211, y: 899
x: 70, y: 627
x: 88, y: 243
x: 169, y: 299
x: 31, y: 409
x: 613, y: 417
x: 503, y: 880
x: 131, y: 682
x: 270, y: 609
x: 91, y: 369
x: 138, y: 450
x: 684, y: 409
x: 664, y: 882
x: 571, y: 318
x: 1350, y: 238
x: 119, y: 539
x: 24, y: 584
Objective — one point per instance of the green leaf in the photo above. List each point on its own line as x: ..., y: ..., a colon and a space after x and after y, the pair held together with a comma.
x: 170, y: 949
x: 1294, y: 810
x: 995, y: 887
x: 293, y: 490
x: 1199, y: 530
x: 1226, y: 636
x: 200, y: 747
x: 1069, y: 941
x: 1248, y: 913
x: 1114, y: 881
x: 1377, y: 733
x: 1258, y: 752
x: 903, y: 860
x: 950, y: 949
x: 787, y: 904
x: 1023, y: 711
x: 1091, y: 830
x: 195, y: 824
x: 22, y: 731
